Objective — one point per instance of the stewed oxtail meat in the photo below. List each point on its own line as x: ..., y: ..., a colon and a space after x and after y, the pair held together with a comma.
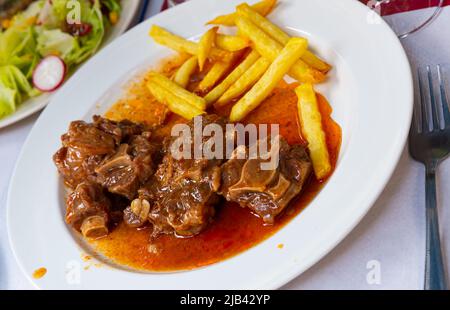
x: 88, y: 210
x: 121, y: 131
x: 265, y: 192
x: 129, y: 167
x: 103, y: 157
x: 108, y: 162
x: 180, y: 198
x: 85, y: 145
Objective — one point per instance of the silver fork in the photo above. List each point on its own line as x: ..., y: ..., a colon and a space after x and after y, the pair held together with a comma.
x: 429, y: 143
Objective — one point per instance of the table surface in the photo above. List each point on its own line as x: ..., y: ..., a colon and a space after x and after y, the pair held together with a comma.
x: 385, y: 251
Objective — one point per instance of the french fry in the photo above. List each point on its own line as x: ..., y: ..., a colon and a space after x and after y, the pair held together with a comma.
x: 314, y: 61
x: 205, y: 45
x: 263, y: 7
x: 178, y: 91
x: 280, y: 66
x: 311, y: 125
x: 166, y: 38
x: 184, y: 73
x: 245, y: 82
x: 279, y: 35
x: 216, y: 73
x: 174, y: 103
x: 269, y: 48
x: 179, y: 44
x: 214, y: 94
x: 231, y: 43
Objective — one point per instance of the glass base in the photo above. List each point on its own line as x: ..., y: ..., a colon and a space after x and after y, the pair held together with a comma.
x: 406, y: 27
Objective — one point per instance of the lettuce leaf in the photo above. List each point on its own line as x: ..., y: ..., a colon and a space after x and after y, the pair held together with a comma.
x: 56, y: 42
x: 18, y: 48
x: 7, y: 100
x: 18, y: 58
x: 47, y: 18
x: 28, y: 17
x: 90, y: 13
x: 13, y: 87
x: 91, y: 42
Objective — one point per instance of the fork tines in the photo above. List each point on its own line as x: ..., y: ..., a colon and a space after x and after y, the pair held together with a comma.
x: 432, y: 110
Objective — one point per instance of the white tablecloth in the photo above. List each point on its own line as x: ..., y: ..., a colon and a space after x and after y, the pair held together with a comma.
x: 387, y: 246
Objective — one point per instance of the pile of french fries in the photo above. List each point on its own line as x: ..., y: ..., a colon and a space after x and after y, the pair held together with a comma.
x: 244, y: 69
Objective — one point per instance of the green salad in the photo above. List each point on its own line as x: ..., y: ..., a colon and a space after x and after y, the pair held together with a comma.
x: 69, y: 29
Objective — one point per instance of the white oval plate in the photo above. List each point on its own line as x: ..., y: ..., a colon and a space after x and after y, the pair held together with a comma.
x: 370, y: 89
x: 32, y: 105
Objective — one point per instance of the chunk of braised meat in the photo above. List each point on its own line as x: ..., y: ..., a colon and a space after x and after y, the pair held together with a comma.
x: 121, y: 131
x: 117, y: 173
x: 75, y: 166
x: 136, y: 215
x: 87, y: 210
x: 145, y: 154
x: 183, y: 195
x: 85, y: 145
x: 118, y: 205
x: 129, y: 167
x: 266, y: 192
x: 88, y: 139
x: 183, y: 192
x: 104, y: 161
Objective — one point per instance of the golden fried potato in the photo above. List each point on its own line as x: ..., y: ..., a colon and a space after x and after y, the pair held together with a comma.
x: 263, y: 7
x: 279, y: 35
x: 231, y: 43
x: 314, y: 61
x: 205, y: 45
x: 269, y: 48
x: 280, y: 66
x: 178, y: 91
x: 179, y: 44
x: 214, y: 94
x: 216, y: 72
x: 174, y: 103
x: 312, y: 131
x: 184, y: 73
x: 245, y: 82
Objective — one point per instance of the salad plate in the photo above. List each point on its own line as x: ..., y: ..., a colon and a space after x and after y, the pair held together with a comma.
x: 31, y: 105
x: 371, y: 102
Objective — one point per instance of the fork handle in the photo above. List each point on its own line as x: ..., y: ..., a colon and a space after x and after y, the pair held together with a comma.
x: 434, y: 267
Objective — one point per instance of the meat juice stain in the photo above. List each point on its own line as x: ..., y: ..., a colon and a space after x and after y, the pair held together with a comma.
x: 234, y: 229
x: 39, y: 273
x: 86, y: 257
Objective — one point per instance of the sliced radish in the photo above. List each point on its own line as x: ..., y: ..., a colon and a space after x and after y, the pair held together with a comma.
x: 49, y: 74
